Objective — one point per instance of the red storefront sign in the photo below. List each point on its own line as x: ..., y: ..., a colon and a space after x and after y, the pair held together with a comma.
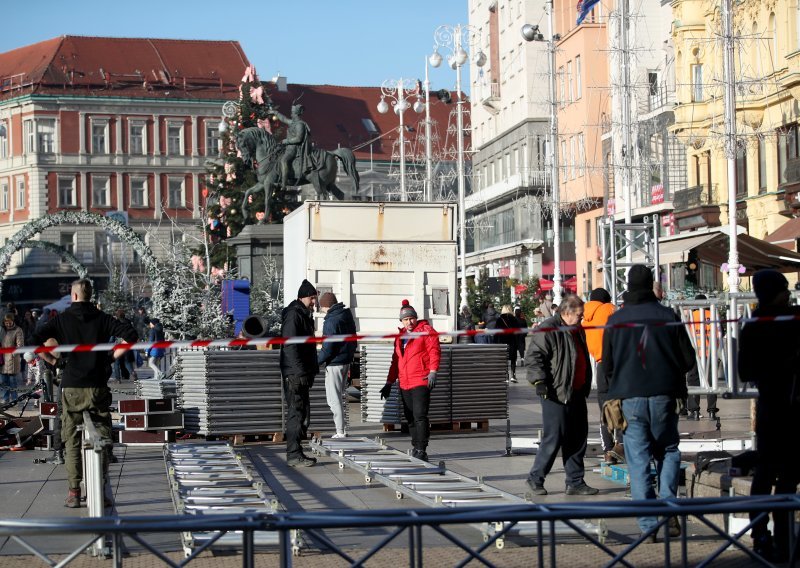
x: 657, y: 194
x: 612, y: 206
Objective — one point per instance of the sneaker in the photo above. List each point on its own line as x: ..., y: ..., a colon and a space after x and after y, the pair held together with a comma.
x: 712, y: 415
x: 581, y: 489
x: 423, y: 455
x: 301, y: 461
x: 338, y: 436
x: 536, y: 488
x: 694, y: 415
x: 513, y: 379
x: 73, y: 500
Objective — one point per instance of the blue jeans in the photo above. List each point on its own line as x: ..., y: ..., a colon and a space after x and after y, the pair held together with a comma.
x: 8, y: 381
x: 652, y: 434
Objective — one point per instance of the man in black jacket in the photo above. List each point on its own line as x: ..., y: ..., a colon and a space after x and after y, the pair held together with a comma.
x: 769, y: 356
x: 85, y: 376
x: 646, y: 367
x: 336, y: 356
x: 298, y: 367
x: 558, y: 366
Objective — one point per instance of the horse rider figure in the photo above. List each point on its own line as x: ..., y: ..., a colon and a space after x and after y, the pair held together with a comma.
x: 297, y: 146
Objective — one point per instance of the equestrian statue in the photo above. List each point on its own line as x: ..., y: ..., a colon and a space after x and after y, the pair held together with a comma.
x: 292, y: 162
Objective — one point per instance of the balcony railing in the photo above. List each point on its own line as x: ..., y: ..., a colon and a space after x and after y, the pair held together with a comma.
x: 692, y: 197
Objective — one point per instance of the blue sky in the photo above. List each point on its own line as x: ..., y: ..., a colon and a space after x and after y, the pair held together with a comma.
x: 344, y: 42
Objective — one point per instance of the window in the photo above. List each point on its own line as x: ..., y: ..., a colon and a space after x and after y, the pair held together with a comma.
x: 561, y: 86
x: 101, y: 247
x: 138, y: 192
x: 787, y: 149
x: 46, y: 135
x: 99, y: 137
x: 66, y: 192
x: 697, y: 83
x: 589, y: 235
x: 137, y: 142
x: 572, y: 157
x: 20, y: 193
x: 3, y: 140
x: 176, y: 194
x: 762, y: 165
x: 175, y: 139
x: 441, y: 301
x: 578, y: 83
x: 563, y: 157
x: 4, y: 196
x: 67, y: 242
x: 212, y: 140
x: 570, y: 84
x: 101, y: 191
x: 741, y: 175
x: 29, y: 137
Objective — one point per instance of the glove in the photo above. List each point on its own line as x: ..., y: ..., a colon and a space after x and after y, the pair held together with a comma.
x: 541, y: 389
x: 431, y: 380
x: 386, y: 391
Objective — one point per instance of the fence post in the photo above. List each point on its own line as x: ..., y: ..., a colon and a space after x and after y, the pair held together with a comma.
x: 94, y: 451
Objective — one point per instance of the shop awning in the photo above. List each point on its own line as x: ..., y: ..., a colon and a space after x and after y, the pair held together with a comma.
x: 786, y: 235
x: 754, y: 254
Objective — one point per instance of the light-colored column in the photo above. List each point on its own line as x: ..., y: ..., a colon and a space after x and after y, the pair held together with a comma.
x: 156, y: 135
x: 195, y: 197
x: 120, y: 192
x: 81, y: 136
x: 118, y: 135
x: 84, y: 196
x: 195, y: 136
x: 157, y: 196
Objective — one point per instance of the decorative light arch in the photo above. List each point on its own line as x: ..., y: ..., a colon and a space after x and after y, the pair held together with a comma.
x: 25, y: 235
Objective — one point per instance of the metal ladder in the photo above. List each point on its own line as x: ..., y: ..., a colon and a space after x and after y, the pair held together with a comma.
x: 210, y: 478
x: 435, y: 486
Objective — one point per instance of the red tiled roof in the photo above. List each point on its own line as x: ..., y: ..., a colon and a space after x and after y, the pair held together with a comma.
x: 335, y: 115
x: 124, y: 67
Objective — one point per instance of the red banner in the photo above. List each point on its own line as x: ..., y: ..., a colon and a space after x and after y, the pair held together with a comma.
x: 657, y: 194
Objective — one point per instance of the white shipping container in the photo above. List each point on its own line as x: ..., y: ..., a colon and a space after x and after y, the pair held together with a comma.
x: 374, y: 255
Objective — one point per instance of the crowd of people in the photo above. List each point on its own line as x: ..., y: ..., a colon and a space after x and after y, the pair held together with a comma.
x: 640, y: 373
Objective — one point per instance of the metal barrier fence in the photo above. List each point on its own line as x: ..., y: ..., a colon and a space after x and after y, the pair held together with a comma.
x: 412, y: 522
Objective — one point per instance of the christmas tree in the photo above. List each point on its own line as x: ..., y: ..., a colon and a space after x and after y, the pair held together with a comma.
x: 229, y: 177
x: 266, y: 297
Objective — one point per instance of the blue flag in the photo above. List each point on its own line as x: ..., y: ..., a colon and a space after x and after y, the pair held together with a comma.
x: 584, y: 7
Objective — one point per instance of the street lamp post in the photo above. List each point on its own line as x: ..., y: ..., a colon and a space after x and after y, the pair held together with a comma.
x: 531, y: 33
x: 458, y: 40
x: 399, y: 91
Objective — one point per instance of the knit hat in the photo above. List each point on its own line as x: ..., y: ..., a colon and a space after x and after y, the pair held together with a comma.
x: 407, y: 311
x: 306, y: 290
x: 600, y: 295
x: 640, y: 278
x: 767, y: 284
x: 327, y: 300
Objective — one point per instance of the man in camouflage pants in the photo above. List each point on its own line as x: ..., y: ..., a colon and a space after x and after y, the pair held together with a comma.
x: 84, y: 379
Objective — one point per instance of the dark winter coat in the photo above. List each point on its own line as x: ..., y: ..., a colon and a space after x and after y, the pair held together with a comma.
x: 639, y: 365
x: 298, y: 359
x: 83, y: 323
x: 338, y: 321
x: 769, y: 356
x: 509, y: 321
x: 155, y: 334
x: 551, y: 357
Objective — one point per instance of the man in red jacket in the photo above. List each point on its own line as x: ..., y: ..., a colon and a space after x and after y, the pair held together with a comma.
x: 415, y: 362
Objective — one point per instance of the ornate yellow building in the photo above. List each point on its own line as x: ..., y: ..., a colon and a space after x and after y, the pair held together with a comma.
x: 767, y: 85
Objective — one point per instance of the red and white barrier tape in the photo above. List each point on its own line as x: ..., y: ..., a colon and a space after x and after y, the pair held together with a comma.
x: 205, y: 343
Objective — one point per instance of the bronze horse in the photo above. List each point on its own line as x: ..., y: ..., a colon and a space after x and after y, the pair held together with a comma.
x: 259, y: 145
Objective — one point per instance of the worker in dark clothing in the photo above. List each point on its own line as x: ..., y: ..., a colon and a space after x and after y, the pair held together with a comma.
x: 298, y: 368
x: 85, y: 375
x: 769, y: 356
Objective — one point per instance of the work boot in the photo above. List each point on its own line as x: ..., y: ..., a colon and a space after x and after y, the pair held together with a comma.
x: 536, y: 488
x: 618, y: 451
x: 674, y: 527
x: 581, y: 489
x: 712, y: 414
x: 301, y: 461
x: 57, y: 458
x: 609, y: 458
x: 73, y: 500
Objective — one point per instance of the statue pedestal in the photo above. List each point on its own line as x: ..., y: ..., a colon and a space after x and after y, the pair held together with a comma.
x: 254, y: 245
